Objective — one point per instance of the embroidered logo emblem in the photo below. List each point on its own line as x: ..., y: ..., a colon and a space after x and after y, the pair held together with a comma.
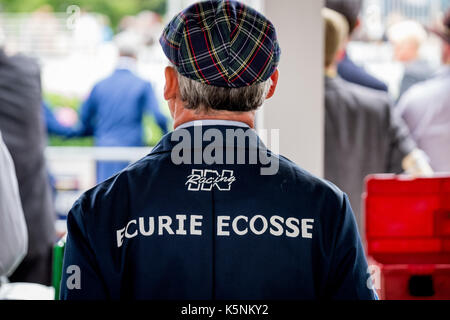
x: 205, y: 180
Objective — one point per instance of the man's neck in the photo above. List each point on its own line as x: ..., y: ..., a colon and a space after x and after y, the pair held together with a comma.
x: 187, y: 115
x: 127, y: 63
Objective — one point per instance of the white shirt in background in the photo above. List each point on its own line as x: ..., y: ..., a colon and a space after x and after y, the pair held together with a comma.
x: 13, y: 230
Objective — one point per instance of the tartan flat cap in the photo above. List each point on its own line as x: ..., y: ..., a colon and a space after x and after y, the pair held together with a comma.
x: 222, y: 43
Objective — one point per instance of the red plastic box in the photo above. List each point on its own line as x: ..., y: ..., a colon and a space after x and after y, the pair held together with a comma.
x: 412, y: 282
x: 407, y: 220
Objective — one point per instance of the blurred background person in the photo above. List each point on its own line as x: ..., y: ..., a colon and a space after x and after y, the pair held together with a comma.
x: 426, y: 108
x: 362, y: 136
x: 407, y: 38
x: 13, y: 229
x: 24, y: 135
x: 347, y: 69
x: 114, y: 110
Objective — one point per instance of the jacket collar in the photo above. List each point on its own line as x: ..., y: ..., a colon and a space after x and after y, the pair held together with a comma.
x: 195, y: 134
x: 212, y: 123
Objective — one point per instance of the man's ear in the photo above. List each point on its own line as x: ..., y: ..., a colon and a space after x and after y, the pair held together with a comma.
x: 274, y: 78
x: 171, y: 86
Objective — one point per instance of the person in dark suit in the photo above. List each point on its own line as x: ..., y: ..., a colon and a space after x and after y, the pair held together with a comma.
x: 362, y: 134
x: 23, y: 132
x: 197, y: 218
x: 346, y: 68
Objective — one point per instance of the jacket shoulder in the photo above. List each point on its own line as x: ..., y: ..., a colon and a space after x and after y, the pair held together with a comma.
x: 305, y: 182
x: 362, y: 99
x: 423, y: 91
x: 367, y: 96
x: 114, y: 190
x: 116, y: 79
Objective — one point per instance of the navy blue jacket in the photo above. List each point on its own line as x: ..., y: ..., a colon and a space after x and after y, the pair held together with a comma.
x: 350, y: 72
x: 158, y: 230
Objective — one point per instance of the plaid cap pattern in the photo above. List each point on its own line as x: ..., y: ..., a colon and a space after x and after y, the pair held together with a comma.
x: 222, y: 43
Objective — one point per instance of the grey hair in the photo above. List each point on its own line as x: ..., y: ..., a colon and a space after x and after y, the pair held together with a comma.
x: 197, y: 95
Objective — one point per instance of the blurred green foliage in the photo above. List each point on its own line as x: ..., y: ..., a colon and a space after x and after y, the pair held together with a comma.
x: 152, y: 132
x: 114, y: 9
x: 57, y: 100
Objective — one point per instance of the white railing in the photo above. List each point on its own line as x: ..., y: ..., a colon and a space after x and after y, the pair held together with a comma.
x: 36, y: 34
